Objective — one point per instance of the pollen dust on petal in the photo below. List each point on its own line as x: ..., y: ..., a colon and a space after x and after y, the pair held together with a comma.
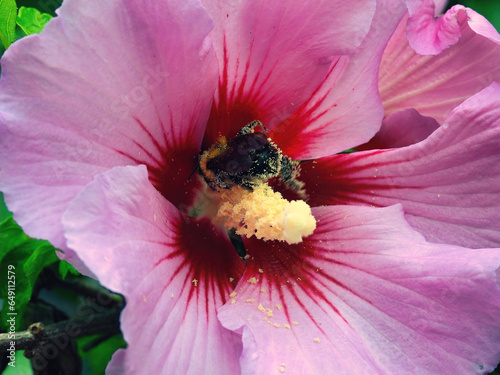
x: 252, y: 280
x: 282, y: 367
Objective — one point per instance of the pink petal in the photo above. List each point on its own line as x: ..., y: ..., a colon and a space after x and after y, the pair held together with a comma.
x: 365, y: 294
x: 274, y: 54
x: 139, y: 245
x: 345, y: 110
x: 429, y: 35
x: 434, y: 85
x: 440, y: 6
x: 106, y: 83
x: 401, y: 129
x: 449, y: 183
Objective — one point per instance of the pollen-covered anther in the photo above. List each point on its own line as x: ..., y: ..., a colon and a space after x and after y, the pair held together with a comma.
x: 265, y: 214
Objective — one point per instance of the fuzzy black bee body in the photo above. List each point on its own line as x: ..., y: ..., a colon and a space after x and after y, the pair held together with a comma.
x: 246, y: 160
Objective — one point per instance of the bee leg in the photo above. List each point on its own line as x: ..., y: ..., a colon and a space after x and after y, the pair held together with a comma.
x: 247, y: 129
x: 238, y: 244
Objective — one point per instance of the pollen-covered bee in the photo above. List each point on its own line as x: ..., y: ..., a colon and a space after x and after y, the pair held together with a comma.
x: 247, y: 160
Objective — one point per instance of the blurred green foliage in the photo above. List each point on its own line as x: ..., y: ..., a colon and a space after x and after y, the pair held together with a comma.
x: 97, y: 357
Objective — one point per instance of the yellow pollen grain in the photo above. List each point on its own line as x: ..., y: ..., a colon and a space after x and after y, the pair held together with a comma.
x: 172, y: 295
x: 265, y: 214
x: 276, y: 325
x: 316, y: 339
x: 269, y: 313
x: 283, y: 364
x: 278, y: 306
x: 233, y: 294
x: 250, y: 300
x: 195, y: 282
x: 233, y: 301
x: 154, y: 217
x: 287, y: 326
x: 262, y: 290
x: 295, y: 323
x: 246, y: 257
x: 231, y: 279
x: 261, y: 270
x: 282, y: 369
x: 260, y: 307
x: 253, y: 280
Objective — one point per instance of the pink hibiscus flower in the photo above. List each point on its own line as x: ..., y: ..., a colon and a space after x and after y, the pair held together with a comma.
x: 103, y: 117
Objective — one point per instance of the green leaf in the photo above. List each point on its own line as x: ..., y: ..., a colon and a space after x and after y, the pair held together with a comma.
x: 31, y: 20
x: 4, y: 212
x: 19, y: 33
x: 99, y: 356
x: 21, y: 261
x: 8, y: 11
x: 65, y: 268
x: 23, y: 366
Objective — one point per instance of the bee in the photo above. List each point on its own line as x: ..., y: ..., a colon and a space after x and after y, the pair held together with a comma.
x: 247, y: 160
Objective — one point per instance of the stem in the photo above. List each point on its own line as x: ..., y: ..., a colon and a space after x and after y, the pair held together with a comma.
x: 99, y: 323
